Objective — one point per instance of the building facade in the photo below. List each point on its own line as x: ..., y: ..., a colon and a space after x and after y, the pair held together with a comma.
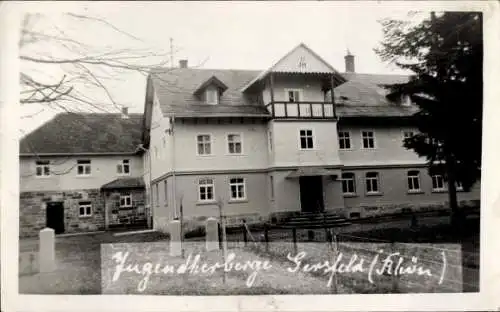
x: 299, y: 137
x: 270, y: 144
x: 81, y: 173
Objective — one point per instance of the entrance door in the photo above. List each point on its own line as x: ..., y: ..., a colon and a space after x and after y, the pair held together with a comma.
x: 311, y: 194
x: 55, y: 216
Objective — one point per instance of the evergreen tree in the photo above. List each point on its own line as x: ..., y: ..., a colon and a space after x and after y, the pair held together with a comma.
x: 445, y: 53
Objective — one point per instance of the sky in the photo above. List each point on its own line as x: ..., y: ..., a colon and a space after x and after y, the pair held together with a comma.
x: 237, y: 35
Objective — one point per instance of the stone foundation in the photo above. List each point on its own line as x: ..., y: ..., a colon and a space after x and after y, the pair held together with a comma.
x: 32, y: 211
x: 124, y: 216
x: 372, y: 211
x: 378, y: 210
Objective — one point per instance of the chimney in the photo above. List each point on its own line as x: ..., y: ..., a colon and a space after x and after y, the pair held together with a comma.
x: 183, y: 63
x: 349, y: 62
x: 124, y: 112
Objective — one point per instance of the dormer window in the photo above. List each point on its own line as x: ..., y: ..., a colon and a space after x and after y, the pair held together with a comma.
x: 212, y: 96
x: 210, y: 91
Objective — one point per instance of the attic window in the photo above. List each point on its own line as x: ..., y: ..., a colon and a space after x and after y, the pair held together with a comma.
x: 210, y: 90
x: 211, y: 96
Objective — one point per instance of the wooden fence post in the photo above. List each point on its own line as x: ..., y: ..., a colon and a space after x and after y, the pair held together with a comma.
x: 294, y: 234
x: 413, y: 221
x: 219, y: 229
x: 310, y: 235
x: 266, y: 236
x: 244, y: 229
x: 325, y: 226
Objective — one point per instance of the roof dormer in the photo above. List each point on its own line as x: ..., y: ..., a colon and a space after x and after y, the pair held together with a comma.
x: 211, y: 90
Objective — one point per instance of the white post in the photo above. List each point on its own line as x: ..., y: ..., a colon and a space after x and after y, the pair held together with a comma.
x: 47, y: 250
x: 212, y: 234
x: 175, y: 238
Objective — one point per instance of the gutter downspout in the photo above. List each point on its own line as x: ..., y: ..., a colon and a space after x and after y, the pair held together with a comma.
x: 106, y: 216
x: 172, y: 125
x: 150, y: 214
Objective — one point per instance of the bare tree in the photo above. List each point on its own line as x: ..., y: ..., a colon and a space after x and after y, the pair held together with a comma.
x: 61, y: 71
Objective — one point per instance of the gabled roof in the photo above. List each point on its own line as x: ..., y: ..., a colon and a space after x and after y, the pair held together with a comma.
x: 75, y: 133
x: 281, y: 68
x: 367, y: 89
x: 124, y: 183
x: 211, y: 81
x: 377, y: 79
x: 389, y: 110
x: 175, y: 90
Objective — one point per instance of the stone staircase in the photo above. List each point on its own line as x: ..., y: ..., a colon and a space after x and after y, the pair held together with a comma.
x: 314, y: 220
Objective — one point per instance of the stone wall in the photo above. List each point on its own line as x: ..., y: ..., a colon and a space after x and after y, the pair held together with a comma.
x: 32, y: 211
x: 384, y: 209
x: 120, y: 216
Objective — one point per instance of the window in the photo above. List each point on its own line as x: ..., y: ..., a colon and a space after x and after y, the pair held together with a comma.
x: 372, y: 184
x: 234, y: 143
x: 204, y: 144
x: 306, y: 139
x: 125, y: 200
x: 212, y: 97
x: 344, y: 140
x: 237, y: 186
x: 83, y: 167
x: 293, y: 95
x: 271, y: 186
x: 368, y: 138
x: 459, y: 186
x: 156, y: 152
x: 85, y: 209
x: 43, y: 168
x: 348, y: 183
x: 407, y: 134
x: 413, y: 181
x: 438, y: 183
x: 123, y: 167
x: 165, y: 190
x: 206, y: 189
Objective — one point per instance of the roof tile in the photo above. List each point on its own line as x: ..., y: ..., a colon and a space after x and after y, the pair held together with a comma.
x: 72, y: 133
x: 175, y: 89
x: 123, y: 183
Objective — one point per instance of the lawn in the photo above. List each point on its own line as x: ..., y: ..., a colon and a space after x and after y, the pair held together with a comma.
x: 79, y: 263
x: 427, y: 241
x: 78, y: 260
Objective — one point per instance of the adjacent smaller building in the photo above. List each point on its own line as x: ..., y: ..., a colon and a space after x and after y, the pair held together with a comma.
x: 83, y: 172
